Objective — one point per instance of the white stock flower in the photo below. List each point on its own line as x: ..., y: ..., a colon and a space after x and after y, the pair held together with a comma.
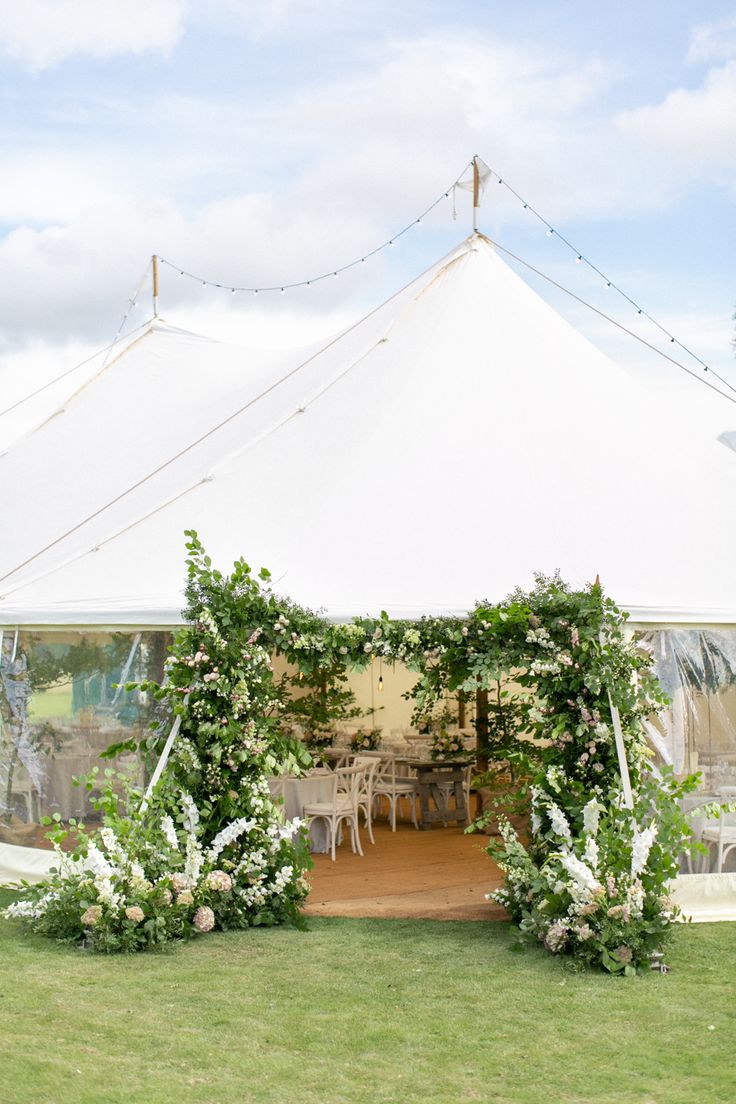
x: 536, y: 823
x: 559, y: 823
x: 635, y: 898
x: 193, y: 861
x: 169, y: 832
x: 640, y: 847
x: 191, y: 814
x: 579, y: 872
x: 111, y: 843
x: 591, y: 817
x: 96, y: 861
x: 591, y: 853
x: 228, y: 835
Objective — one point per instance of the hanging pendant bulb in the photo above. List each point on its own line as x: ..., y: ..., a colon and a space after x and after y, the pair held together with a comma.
x: 380, y: 683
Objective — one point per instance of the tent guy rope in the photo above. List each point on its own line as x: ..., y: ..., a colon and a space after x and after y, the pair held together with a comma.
x: 619, y: 325
x: 481, y: 173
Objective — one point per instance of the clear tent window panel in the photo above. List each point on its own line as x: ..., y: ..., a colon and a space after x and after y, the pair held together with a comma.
x: 697, y: 734
x: 63, y: 703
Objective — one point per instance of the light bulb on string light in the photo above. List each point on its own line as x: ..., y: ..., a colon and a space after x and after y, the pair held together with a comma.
x: 380, y: 678
x: 550, y: 232
x: 578, y: 259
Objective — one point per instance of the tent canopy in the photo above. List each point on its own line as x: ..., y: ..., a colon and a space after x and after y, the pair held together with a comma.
x: 457, y: 439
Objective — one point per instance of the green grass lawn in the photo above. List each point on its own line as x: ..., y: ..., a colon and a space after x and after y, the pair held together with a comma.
x: 364, y: 1010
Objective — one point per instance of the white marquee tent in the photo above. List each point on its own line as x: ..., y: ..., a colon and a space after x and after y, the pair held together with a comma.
x: 452, y: 442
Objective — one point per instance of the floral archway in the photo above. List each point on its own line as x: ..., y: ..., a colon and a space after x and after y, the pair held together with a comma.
x: 207, y: 847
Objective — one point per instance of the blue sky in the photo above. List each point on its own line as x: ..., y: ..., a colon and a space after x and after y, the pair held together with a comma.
x: 265, y: 143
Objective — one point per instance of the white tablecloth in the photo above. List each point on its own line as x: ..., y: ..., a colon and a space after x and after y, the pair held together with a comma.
x: 298, y: 792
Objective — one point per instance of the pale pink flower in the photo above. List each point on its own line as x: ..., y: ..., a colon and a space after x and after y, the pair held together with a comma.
x: 136, y: 914
x: 92, y: 916
x: 623, y: 953
x: 219, y: 880
x: 204, y: 919
x: 178, y: 882
x: 556, y: 937
x: 185, y: 897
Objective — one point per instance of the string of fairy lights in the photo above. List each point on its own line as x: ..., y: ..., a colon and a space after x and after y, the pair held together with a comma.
x: 482, y: 174
x: 580, y: 258
x: 551, y: 232
x: 333, y: 273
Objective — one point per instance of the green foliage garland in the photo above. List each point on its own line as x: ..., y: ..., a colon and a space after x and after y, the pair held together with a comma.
x: 590, y: 881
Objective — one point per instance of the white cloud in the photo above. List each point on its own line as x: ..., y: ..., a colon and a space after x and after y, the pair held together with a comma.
x: 713, y: 41
x: 340, y: 164
x: 260, y: 19
x: 42, y: 33
x: 694, y: 128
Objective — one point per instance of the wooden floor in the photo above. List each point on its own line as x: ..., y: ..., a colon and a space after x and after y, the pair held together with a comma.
x: 439, y: 874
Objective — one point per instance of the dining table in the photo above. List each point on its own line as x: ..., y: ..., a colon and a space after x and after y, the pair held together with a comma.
x: 438, y: 780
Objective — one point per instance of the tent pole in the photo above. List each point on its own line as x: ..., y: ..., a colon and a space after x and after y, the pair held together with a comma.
x: 481, y: 729
x: 126, y: 669
x: 154, y: 267
x: 623, y: 765
x: 476, y: 193
x: 163, y: 759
